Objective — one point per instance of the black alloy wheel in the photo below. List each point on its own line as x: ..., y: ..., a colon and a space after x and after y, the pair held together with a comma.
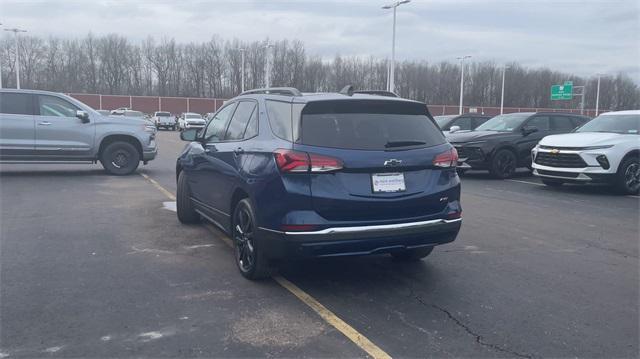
x: 504, y: 164
x: 249, y: 259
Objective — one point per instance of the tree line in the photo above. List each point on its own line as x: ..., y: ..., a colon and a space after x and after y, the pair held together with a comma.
x: 113, y: 64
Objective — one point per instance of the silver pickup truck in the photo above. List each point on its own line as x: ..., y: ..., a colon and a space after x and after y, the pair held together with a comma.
x: 164, y: 119
x: 42, y: 126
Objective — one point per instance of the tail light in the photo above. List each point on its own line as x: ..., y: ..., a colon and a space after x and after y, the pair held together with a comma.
x: 446, y: 159
x: 297, y: 161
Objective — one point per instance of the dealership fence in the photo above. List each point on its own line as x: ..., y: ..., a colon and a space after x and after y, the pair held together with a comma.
x: 177, y: 105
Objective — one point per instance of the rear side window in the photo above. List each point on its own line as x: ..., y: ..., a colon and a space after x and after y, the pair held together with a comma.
x: 16, y: 103
x: 368, y: 125
x: 479, y: 121
x: 279, y: 114
x: 240, y: 119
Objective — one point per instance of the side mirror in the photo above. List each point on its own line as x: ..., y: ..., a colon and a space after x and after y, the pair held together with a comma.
x: 453, y: 129
x: 83, y: 116
x: 189, y: 135
x: 527, y: 130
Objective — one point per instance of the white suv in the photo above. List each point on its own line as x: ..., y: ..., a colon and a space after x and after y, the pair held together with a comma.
x: 605, y: 149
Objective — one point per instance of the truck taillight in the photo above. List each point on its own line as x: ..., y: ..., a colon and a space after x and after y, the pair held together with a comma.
x: 446, y: 159
x: 297, y: 161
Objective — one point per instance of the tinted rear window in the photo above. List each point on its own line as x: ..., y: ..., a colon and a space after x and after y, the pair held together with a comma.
x: 368, y: 125
x: 16, y: 103
x: 163, y: 114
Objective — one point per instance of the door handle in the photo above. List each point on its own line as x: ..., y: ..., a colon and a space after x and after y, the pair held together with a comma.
x: 238, y: 151
x: 44, y: 123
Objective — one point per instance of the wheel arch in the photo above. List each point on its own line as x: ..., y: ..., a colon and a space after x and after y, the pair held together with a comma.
x: 635, y: 152
x: 109, y: 139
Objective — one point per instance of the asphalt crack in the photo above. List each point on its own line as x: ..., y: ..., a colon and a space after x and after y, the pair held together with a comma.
x: 479, y: 339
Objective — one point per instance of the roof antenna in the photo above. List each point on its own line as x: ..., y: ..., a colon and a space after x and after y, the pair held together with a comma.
x: 347, y: 90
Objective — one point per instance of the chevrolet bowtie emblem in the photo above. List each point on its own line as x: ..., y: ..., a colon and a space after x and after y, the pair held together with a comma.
x: 392, y: 162
x: 555, y: 151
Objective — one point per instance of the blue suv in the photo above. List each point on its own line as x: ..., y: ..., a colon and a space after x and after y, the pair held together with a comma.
x: 290, y: 175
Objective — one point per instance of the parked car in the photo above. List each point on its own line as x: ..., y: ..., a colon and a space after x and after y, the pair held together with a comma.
x: 104, y: 112
x: 163, y: 119
x: 190, y: 120
x: 290, y: 175
x: 120, y: 111
x: 605, y: 150
x: 504, y: 143
x: 38, y: 126
x: 456, y: 123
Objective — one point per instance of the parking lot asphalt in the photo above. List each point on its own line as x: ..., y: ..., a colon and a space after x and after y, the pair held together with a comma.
x: 93, y: 265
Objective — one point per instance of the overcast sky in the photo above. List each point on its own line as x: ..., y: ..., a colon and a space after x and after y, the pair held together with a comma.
x: 584, y: 37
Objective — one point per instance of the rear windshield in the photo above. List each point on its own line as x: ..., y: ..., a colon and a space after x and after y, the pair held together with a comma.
x: 368, y: 125
x: 163, y: 114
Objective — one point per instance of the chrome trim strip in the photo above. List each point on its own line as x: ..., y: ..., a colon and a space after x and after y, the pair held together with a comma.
x: 367, y: 229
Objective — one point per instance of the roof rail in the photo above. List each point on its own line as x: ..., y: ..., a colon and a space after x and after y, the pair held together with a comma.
x: 377, y: 93
x: 287, y: 91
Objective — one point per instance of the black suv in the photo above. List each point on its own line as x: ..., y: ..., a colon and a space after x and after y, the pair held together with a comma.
x: 504, y: 143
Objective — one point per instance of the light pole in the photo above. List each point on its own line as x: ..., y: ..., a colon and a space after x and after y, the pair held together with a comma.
x: 598, y: 95
x: 0, y: 69
x: 462, y: 79
x: 394, y: 6
x: 242, y: 51
x: 15, y: 32
x: 504, y: 69
x: 267, y: 69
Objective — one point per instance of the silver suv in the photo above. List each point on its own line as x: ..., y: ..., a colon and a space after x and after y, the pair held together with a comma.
x: 42, y: 126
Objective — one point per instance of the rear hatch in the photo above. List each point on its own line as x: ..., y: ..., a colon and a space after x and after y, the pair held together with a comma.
x: 387, y: 151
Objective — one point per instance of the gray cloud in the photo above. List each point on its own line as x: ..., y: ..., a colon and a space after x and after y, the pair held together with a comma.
x: 584, y: 37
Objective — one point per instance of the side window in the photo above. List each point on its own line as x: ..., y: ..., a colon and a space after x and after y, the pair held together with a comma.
x: 279, y: 114
x: 479, y: 121
x: 16, y: 103
x: 562, y: 123
x: 240, y: 120
x: 218, y: 124
x: 540, y: 122
x: 463, y: 122
x: 53, y: 106
x: 252, y: 127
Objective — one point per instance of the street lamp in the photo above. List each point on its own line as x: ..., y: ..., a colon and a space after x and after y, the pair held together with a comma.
x: 598, y: 95
x: 394, y: 6
x: 504, y: 69
x: 15, y: 32
x: 0, y: 69
x: 462, y: 58
x: 242, y: 51
x: 267, y: 69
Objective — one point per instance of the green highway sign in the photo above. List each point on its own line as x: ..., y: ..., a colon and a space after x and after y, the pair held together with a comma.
x: 562, y: 92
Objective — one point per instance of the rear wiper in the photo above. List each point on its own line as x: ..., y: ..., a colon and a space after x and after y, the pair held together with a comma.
x: 403, y: 143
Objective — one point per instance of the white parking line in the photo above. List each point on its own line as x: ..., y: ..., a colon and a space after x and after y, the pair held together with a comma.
x: 542, y: 184
x: 533, y: 183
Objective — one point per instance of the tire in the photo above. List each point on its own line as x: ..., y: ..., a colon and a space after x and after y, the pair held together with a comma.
x: 251, y: 262
x: 627, y: 179
x: 120, y: 158
x: 412, y: 255
x: 184, y: 206
x: 503, y: 164
x: 552, y: 182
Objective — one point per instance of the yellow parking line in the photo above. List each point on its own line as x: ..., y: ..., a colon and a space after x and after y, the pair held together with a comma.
x: 159, y: 187
x: 327, y: 315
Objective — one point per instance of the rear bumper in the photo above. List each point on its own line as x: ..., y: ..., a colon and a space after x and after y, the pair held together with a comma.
x: 359, y: 240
